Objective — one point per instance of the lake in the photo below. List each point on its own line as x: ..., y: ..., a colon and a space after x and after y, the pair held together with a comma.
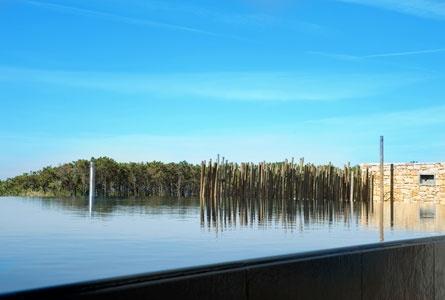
x: 46, y: 242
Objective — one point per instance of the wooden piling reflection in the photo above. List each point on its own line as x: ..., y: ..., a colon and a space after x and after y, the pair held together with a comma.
x: 287, y: 214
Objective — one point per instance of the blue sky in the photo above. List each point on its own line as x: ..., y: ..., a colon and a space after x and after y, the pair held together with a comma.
x: 249, y: 79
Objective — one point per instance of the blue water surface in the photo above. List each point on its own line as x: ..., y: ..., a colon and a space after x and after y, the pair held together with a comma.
x: 46, y: 242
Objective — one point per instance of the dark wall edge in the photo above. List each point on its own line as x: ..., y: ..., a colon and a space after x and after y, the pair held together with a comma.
x: 154, y: 278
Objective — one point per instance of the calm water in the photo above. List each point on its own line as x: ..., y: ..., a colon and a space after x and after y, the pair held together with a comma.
x: 46, y: 242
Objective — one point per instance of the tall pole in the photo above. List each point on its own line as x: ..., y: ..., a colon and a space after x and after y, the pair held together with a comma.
x: 92, y: 184
x: 382, y: 187
x: 392, y: 194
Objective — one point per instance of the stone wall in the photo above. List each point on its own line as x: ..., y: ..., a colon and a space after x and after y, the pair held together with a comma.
x: 407, y: 186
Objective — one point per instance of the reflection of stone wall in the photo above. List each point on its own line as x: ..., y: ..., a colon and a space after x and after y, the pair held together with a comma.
x: 410, y: 216
x: 407, y: 187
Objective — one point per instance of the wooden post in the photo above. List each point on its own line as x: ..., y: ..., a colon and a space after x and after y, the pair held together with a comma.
x: 382, y: 187
x: 201, y: 180
x: 352, y: 193
x: 178, y: 190
x: 351, y: 198
x: 372, y: 193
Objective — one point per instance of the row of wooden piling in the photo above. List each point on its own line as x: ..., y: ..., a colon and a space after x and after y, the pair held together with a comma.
x: 283, y: 180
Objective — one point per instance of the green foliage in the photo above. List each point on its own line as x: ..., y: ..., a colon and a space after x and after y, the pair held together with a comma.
x: 113, y: 179
x: 2, y: 188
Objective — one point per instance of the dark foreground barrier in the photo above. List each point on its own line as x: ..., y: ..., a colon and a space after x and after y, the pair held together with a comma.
x: 410, y: 269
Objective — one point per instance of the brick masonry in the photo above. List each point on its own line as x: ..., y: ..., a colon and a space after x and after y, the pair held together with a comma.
x: 407, y: 186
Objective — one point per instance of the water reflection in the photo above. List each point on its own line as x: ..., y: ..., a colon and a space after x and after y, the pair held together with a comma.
x: 424, y: 217
x: 103, y: 208
x: 288, y: 214
x: 300, y: 215
x: 90, y: 206
x: 55, y: 241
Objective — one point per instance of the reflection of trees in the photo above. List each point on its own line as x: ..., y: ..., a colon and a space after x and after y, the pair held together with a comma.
x: 128, y: 206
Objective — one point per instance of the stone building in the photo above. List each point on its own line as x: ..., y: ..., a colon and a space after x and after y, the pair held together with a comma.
x: 413, y: 182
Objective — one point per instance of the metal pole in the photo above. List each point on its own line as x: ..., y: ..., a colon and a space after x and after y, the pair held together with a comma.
x: 392, y: 194
x: 92, y: 184
x: 382, y: 191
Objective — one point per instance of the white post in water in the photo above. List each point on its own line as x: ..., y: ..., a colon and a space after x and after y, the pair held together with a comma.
x: 92, y: 184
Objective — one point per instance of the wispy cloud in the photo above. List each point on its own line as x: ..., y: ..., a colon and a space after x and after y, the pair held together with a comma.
x: 413, y: 134
x: 260, y: 20
x: 246, y: 20
x: 390, y: 120
x: 237, y: 86
x: 264, y: 20
x: 335, y: 55
x: 378, y: 55
x: 127, y: 20
x: 421, y: 8
x: 406, y: 53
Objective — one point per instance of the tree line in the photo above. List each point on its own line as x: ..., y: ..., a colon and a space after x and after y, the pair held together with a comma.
x: 113, y: 179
